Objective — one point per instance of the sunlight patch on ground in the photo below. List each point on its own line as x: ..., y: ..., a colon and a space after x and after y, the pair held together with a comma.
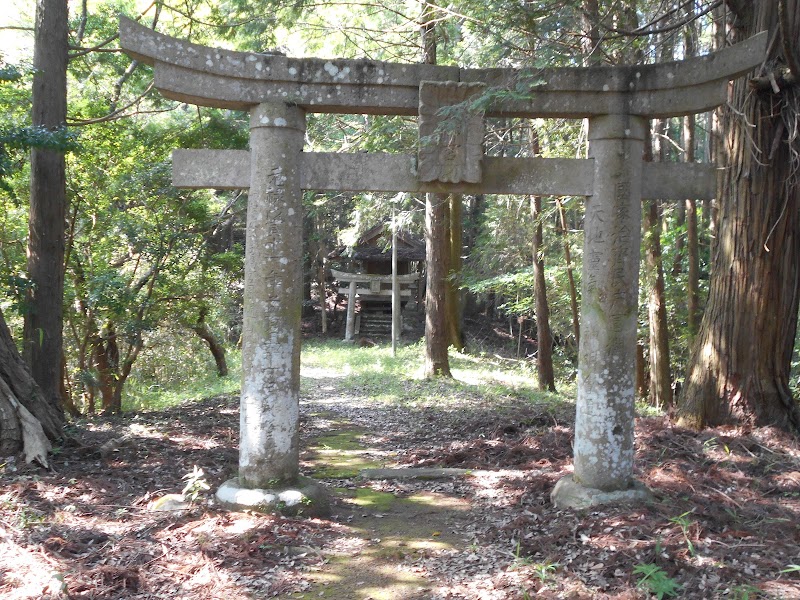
x: 28, y: 573
x: 497, y: 376
x: 240, y: 526
x: 438, y: 501
x: 325, y: 372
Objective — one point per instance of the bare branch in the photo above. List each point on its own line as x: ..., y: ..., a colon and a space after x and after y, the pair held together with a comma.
x: 642, y: 31
x: 117, y: 114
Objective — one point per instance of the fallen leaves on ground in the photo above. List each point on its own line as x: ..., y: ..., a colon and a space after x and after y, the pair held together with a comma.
x: 724, y: 523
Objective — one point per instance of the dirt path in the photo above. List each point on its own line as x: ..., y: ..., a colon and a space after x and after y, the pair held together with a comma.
x: 391, y: 533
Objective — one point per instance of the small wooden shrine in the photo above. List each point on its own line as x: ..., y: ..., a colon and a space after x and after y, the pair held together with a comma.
x: 366, y: 275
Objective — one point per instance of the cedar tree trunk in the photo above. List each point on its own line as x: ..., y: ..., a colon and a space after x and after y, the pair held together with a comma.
x: 436, y: 252
x: 454, y: 307
x: 544, y: 336
x: 43, y: 321
x: 739, y: 369
x: 660, y: 380
x: 28, y: 421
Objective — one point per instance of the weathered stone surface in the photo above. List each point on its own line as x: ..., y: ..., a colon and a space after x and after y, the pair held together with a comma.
x: 419, y: 473
x: 609, y: 300
x: 269, y: 414
x: 450, y: 146
x: 374, y: 172
x: 227, y: 79
x: 569, y: 494
x: 307, y: 498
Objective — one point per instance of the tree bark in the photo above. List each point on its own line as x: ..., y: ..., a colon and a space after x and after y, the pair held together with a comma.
x: 43, y: 321
x: 573, y: 291
x: 692, y: 242
x: 28, y: 421
x: 454, y: 306
x: 741, y: 358
x: 437, y: 363
x: 437, y: 244
x: 202, y: 329
x: 690, y: 208
x: 544, y: 336
x: 660, y: 380
x: 590, y: 45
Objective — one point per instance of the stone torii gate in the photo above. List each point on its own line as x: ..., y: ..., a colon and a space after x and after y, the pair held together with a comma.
x: 279, y: 91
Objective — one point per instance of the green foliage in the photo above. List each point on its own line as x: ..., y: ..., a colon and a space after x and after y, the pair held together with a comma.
x: 196, y: 484
x: 656, y: 581
x: 10, y: 73
x: 373, y: 372
x: 745, y: 592
x: 685, y: 524
x: 17, y: 136
x: 795, y: 569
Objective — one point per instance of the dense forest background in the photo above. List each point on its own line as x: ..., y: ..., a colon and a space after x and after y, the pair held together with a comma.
x: 153, y: 275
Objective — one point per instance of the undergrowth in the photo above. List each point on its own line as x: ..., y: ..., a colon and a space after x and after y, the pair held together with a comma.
x: 368, y: 372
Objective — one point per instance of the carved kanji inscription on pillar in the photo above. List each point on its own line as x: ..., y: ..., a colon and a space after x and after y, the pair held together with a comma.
x: 450, y: 145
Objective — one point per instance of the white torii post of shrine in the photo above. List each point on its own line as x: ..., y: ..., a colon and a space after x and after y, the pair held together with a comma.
x: 279, y: 91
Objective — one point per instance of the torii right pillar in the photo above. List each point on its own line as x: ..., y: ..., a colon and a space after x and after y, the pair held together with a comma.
x: 605, y: 413
x: 610, y: 288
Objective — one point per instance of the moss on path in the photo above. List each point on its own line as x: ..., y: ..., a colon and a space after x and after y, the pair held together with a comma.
x: 389, y: 533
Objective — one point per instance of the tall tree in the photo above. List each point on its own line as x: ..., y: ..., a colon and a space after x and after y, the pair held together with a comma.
x: 660, y: 380
x: 544, y: 336
x: 437, y: 363
x: 454, y: 309
x: 437, y: 245
x: 739, y: 369
x: 690, y: 208
x: 43, y: 320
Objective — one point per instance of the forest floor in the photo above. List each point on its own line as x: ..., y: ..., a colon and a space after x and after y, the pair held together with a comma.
x: 724, y: 522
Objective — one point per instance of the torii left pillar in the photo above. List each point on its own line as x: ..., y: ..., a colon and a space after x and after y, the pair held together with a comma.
x: 270, y: 398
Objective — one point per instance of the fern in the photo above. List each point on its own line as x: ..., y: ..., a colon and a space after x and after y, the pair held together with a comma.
x: 655, y: 580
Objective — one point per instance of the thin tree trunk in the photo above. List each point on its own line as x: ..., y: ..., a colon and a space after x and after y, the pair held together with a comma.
x: 641, y: 367
x: 437, y: 245
x: 453, y: 302
x: 573, y: 291
x: 436, y: 251
x: 43, y: 321
x: 692, y: 249
x: 66, y: 392
x: 544, y: 336
x: 741, y: 359
x: 680, y: 240
x: 106, y: 359
x: 124, y: 372
x: 690, y: 210
x: 202, y: 329
x: 660, y: 379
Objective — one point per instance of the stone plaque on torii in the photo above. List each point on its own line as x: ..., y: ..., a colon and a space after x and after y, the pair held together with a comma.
x: 278, y: 92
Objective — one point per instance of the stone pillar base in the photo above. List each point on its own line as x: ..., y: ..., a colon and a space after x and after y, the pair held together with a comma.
x: 308, y: 498
x: 569, y: 494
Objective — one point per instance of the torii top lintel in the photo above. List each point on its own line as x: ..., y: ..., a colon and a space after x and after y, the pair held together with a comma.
x: 239, y: 80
